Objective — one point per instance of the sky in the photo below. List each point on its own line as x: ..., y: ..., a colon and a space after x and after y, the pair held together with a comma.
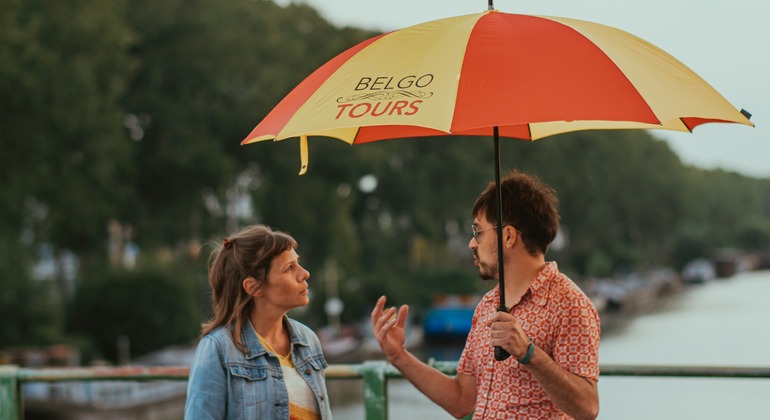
x: 723, y: 41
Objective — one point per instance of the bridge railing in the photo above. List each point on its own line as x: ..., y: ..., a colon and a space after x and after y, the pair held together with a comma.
x: 375, y: 376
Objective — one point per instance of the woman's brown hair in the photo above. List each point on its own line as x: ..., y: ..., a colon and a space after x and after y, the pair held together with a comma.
x: 249, y: 252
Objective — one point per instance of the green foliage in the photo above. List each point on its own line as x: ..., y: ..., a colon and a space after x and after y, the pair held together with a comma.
x: 151, y: 307
x: 753, y: 233
x: 690, y: 242
x: 208, y: 72
x: 28, y: 310
x: 619, y: 194
x: 64, y: 152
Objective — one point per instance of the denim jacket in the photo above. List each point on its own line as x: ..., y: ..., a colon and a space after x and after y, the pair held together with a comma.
x: 226, y: 384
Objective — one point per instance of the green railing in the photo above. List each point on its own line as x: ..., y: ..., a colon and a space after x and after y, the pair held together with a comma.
x: 375, y: 375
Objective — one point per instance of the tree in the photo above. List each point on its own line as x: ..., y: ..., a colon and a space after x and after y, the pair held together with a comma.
x: 64, y: 150
x: 151, y: 307
x: 208, y: 72
x: 63, y: 147
x: 620, y: 194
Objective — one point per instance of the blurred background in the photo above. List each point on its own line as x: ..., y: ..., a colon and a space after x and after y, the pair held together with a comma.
x: 121, y: 169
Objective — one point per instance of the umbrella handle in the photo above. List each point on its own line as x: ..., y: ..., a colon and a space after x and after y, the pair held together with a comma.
x: 500, y: 353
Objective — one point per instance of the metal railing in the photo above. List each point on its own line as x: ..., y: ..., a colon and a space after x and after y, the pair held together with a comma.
x: 375, y: 375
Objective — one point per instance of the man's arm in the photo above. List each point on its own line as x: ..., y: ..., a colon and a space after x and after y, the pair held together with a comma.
x: 575, y: 395
x: 455, y: 395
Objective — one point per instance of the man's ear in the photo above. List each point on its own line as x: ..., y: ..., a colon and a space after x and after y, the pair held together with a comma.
x: 510, y: 235
x: 251, y: 286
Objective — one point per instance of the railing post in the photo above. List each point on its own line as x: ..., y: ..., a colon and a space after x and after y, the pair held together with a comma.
x: 375, y: 390
x: 10, y: 393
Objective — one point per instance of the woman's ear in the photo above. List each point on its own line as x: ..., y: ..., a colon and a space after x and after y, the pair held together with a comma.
x: 251, y: 286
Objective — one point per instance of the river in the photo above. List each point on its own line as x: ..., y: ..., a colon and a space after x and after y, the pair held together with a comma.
x: 720, y: 323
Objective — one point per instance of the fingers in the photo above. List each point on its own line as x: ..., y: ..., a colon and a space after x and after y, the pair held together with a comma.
x: 385, y: 319
x: 500, y: 316
x: 378, y: 307
x: 381, y: 316
x: 388, y: 317
x: 402, y: 313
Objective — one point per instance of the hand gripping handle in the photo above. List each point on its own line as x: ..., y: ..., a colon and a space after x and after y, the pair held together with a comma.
x: 500, y: 353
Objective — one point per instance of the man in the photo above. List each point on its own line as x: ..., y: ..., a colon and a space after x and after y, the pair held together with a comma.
x: 551, y: 329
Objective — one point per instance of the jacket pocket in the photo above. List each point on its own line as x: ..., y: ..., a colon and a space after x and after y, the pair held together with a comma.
x: 249, y: 384
x: 318, y: 363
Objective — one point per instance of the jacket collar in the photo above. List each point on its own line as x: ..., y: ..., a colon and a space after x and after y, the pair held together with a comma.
x: 254, y: 347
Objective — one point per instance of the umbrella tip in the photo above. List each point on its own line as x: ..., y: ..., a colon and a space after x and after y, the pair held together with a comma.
x: 746, y: 114
x: 491, y: 5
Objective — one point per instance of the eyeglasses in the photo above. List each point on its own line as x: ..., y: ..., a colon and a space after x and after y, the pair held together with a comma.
x: 475, y: 231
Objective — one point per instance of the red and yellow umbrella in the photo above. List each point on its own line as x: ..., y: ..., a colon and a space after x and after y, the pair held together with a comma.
x: 530, y: 76
x: 495, y: 74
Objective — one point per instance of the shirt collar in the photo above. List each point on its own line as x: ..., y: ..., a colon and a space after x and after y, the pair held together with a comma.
x: 540, y: 285
x: 542, y: 282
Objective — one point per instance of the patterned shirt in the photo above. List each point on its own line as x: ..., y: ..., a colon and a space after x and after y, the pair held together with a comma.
x: 560, y: 319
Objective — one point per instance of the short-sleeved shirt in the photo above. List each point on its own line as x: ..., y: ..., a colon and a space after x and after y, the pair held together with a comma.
x: 560, y: 319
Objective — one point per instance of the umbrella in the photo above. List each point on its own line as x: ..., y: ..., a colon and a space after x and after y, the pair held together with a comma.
x: 495, y: 74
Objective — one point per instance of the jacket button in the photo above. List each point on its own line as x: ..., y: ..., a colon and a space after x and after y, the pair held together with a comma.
x: 307, y: 371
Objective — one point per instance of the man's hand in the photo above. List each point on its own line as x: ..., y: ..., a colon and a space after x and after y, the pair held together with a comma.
x: 389, y: 329
x: 506, y: 332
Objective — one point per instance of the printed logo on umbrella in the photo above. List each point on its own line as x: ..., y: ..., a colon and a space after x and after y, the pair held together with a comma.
x: 385, y: 95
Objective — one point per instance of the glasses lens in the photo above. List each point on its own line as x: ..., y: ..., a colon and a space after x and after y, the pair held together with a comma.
x: 476, y: 231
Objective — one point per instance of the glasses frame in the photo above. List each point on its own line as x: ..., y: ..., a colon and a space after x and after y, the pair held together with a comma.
x: 476, y: 231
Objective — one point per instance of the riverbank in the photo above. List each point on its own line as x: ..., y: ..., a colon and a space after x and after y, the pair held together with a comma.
x: 619, y: 300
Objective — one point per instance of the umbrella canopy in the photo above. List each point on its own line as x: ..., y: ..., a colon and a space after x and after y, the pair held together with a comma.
x: 495, y: 74
x: 531, y: 76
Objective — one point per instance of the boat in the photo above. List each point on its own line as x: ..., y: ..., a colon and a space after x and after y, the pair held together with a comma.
x: 698, y: 271
x: 449, y: 319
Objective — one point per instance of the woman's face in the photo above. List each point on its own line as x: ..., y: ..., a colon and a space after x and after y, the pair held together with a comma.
x: 286, y: 286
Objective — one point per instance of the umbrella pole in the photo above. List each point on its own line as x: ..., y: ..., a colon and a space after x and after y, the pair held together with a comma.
x: 500, y: 353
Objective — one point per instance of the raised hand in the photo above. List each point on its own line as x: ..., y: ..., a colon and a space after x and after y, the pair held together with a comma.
x: 389, y: 328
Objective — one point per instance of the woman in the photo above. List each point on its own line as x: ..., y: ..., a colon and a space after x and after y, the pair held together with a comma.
x: 254, y: 362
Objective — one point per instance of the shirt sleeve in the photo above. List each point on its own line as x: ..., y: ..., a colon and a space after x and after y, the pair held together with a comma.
x: 468, y: 359
x: 207, y: 383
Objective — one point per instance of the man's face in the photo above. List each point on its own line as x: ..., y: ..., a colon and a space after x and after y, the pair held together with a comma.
x: 484, y: 247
